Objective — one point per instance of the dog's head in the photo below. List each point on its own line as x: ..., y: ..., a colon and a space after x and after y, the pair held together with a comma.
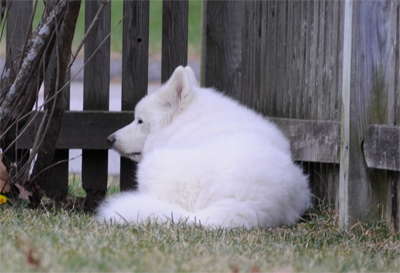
x: 154, y: 112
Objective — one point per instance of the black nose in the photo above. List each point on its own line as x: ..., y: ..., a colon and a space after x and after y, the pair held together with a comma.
x: 111, y: 139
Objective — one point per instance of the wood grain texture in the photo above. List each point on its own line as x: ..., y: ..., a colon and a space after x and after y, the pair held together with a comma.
x: 50, y: 180
x: 174, y: 36
x: 96, y: 97
x: 291, y: 68
x: 134, y: 71
x: 312, y: 140
x: 89, y: 130
x: 82, y: 129
x: 222, y: 46
x: 97, y: 71
x: 366, y: 92
x: 381, y: 147
x: 291, y: 58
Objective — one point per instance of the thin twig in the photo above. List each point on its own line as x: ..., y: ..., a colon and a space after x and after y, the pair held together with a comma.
x: 55, y: 164
x: 36, y: 143
x: 97, y: 49
x: 95, y: 19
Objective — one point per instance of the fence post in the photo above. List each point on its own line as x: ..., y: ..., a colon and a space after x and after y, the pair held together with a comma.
x: 174, y: 36
x: 368, y: 56
x: 393, y: 207
x: 134, y: 70
x: 222, y: 45
x: 291, y: 52
x: 96, y: 87
x: 58, y: 174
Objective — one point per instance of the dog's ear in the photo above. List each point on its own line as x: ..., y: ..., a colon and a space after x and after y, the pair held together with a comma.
x: 177, y: 92
x: 192, y: 76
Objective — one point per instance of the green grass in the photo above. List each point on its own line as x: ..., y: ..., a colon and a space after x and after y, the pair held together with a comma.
x: 64, y: 240
x: 155, y: 26
x: 75, y: 186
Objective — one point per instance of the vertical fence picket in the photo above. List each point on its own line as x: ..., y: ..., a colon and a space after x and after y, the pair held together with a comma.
x: 18, y: 16
x: 96, y: 97
x: 58, y: 188
x: 174, y: 36
x: 222, y: 48
x: 134, y: 70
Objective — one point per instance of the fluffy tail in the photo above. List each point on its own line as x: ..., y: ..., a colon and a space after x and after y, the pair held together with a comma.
x: 133, y: 207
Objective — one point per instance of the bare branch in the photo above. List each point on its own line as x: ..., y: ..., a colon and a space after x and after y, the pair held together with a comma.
x: 36, y: 48
x: 94, y: 53
x: 95, y: 19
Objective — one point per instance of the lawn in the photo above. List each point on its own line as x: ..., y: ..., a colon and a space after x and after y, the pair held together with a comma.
x: 70, y: 240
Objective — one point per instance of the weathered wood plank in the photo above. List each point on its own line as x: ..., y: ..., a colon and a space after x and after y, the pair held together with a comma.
x: 312, y: 140
x: 395, y: 178
x: 254, y: 45
x: 222, y: 46
x: 58, y: 174
x: 135, y: 53
x: 96, y: 97
x: 382, y: 147
x: 82, y: 129
x: 54, y: 181
x: 134, y: 71
x: 19, y: 12
x: 367, y: 61
x: 393, y: 207
x: 290, y: 68
x: 174, y: 36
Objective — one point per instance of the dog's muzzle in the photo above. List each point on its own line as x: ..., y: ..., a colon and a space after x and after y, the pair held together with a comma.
x: 111, y: 140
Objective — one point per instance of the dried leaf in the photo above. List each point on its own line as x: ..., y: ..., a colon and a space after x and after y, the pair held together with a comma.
x: 31, y: 259
x: 31, y: 253
x: 23, y: 193
x: 4, y: 183
x: 36, y: 192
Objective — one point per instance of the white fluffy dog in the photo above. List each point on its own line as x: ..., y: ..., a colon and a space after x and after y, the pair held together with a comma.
x: 206, y: 158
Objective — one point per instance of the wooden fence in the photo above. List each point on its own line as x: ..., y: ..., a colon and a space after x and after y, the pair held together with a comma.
x: 327, y: 72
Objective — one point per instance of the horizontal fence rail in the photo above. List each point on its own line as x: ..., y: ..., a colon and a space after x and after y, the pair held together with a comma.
x: 311, y: 140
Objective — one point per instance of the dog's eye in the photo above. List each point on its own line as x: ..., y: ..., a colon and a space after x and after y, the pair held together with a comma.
x: 140, y: 121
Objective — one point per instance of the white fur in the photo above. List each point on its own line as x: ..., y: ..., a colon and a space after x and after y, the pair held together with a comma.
x: 206, y: 158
